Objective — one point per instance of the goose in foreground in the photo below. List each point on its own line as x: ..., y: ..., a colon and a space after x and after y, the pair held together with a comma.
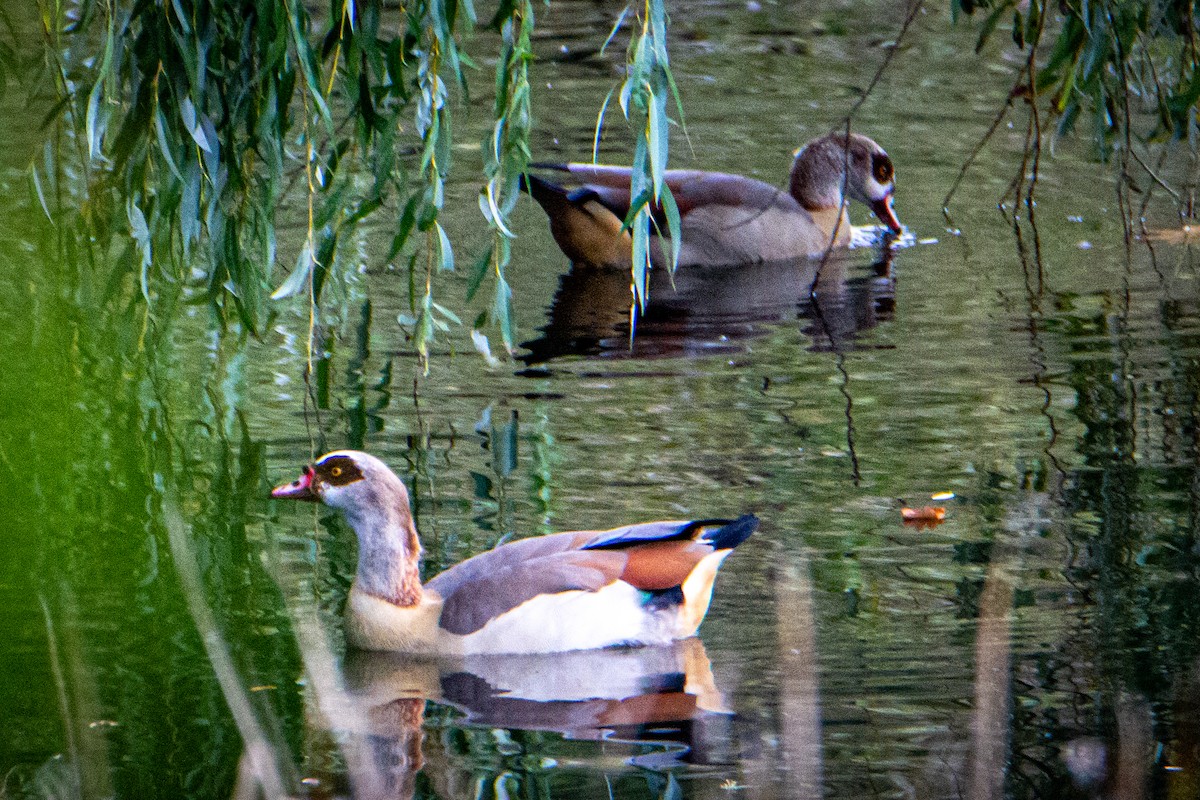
x: 726, y: 219
x: 635, y: 585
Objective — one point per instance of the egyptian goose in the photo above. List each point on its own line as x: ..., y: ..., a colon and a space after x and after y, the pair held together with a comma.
x: 726, y: 219
x: 639, y: 584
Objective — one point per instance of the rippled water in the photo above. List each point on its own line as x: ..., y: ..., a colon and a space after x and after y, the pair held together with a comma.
x: 1041, y: 642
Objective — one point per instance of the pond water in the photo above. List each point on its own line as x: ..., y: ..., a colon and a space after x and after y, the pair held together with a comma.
x: 171, y: 632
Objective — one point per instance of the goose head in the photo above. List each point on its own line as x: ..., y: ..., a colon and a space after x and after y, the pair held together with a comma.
x: 825, y: 166
x: 349, y: 480
x: 375, y: 504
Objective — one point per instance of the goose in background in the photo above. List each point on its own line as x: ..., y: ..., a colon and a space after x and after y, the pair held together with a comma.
x: 725, y: 219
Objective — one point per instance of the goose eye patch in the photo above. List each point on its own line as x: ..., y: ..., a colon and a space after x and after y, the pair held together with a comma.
x: 881, y: 168
x: 339, y: 471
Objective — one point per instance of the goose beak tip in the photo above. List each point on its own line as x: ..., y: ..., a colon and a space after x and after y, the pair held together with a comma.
x: 886, y: 212
x: 299, y: 489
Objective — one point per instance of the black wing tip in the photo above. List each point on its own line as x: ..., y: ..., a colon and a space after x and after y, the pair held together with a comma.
x: 731, y: 532
x: 545, y: 191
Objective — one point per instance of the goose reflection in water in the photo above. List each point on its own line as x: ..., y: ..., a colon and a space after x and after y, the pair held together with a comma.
x: 705, y: 310
x: 663, y: 698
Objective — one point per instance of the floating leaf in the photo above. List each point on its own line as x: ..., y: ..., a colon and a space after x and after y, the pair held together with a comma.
x: 924, y: 517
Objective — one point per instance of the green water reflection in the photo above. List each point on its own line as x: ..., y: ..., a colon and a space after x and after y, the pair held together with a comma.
x: 1042, y: 642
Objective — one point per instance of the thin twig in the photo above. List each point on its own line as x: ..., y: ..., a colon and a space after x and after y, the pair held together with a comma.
x: 987, y: 137
x: 909, y: 18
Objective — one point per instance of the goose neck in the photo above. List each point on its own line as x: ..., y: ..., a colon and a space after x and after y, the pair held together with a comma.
x: 389, y: 555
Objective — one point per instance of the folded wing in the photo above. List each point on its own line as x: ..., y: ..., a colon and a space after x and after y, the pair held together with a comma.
x: 654, y: 557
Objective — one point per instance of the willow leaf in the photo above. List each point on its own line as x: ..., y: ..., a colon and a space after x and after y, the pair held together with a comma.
x: 163, y: 145
x: 671, y: 212
x: 479, y: 271
x: 502, y: 310
x: 37, y: 187
x: 445, y: 252
x: 484, y: 348
x: 93, y: 133
x: 298, y: 280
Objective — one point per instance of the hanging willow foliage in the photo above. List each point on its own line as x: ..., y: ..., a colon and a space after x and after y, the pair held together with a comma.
x: 190, y: 116
x: 192, y: 119
x: 643, y: 98
x: 1133, y: 66
x: 506, y: 157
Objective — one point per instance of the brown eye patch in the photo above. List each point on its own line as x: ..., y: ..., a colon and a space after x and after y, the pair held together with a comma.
x: 339, y: 471
x: 881, y: 168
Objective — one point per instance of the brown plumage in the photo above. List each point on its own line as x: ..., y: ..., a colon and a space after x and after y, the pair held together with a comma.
x: 726, y: 219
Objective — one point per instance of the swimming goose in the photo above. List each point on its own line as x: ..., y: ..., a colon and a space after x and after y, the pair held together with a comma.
x: 635, y: 585
x: 726, y: 219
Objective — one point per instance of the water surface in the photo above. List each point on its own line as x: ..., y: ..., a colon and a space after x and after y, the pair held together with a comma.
x: 1041, y: 642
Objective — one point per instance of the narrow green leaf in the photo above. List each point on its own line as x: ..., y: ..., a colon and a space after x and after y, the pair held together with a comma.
x: 657, y: 134
x: 445, y: 252
x: 92, y: 132
x: 163, y: 144
x: 600, y: 127
x: 658, y: 31
x: 671, y: 211
x: 502, y: 310
x: 636, y: 206
x: 408, y: 219
x: 445, y: 312
x: 616, y: 27
x: 37, y: 187
x: 423, y: 332
x: 307, y: 59
x: 990, y: 23
x: 641, y: 261
x: 493, y: 212
x: 182, y: 17
x: 187, y: 112
x: 479, y: 271
x: 298, y: 280
x: 141, y: 235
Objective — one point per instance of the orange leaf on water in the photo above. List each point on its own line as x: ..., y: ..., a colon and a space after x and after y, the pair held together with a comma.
x: 924, y: 517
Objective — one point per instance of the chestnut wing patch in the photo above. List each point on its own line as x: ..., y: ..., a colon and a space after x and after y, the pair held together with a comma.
x: 656, y: 566
x: 472, y: 605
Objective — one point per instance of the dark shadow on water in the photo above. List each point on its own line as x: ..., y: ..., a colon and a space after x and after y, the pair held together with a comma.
x: 712, y: 310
